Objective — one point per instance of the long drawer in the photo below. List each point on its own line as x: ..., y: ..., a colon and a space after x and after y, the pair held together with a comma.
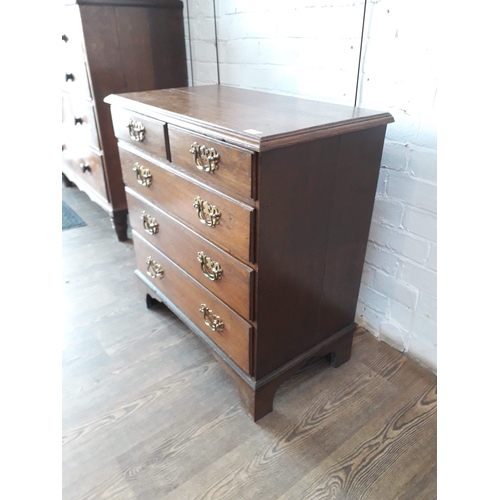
x: 228, y: 330
x: 223, y: 221
x: 225, y: 276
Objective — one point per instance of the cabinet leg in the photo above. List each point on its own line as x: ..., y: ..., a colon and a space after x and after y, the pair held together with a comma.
x: 150, y: 301
x: 341, y: 350
x: 258, y: 400
x: 67, y: 182
x: 119, y: 222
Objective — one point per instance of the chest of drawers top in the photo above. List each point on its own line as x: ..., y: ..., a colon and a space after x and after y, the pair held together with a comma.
x: 254, y: 120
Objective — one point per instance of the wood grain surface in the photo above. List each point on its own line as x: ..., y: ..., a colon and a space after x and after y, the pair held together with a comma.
x: 181, y: 245
x: 234, y: 168
x: 235, y: 114
x: 175, y: 194
x: 148, y: 413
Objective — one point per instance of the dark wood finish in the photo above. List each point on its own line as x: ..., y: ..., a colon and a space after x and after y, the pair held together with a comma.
x: 115, y: 47
x: 181, y: 245
x: 175, y: 194
x: 148, y: 413
x: 257, y: 396
x: 319, y: 231
x: 119, y: 219
x: 155, y: 141
x: 234, y: 173
x: 316, y: 167
x: 258, y: 121
x: 189, y: 296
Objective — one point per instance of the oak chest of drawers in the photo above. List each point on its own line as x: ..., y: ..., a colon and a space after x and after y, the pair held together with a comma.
x: 112, y: 46
x: 250, y: 215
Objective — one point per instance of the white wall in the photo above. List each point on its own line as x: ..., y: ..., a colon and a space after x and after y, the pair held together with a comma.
x: 311, y: 49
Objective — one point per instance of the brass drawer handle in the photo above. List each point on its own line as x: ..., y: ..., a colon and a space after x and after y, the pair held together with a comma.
x: 150, y: 223
x: 85, y: 167
x: 211, y: 269
x: 205, y: 159
x: 136, y: 130
x: 208, y: 214
x: 211, y: 320
x: 142, y: 174
x: 154, y: 270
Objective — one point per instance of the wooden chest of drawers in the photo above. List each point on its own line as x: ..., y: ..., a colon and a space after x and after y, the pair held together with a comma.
x: 250, y: 215
x: 111, y: 46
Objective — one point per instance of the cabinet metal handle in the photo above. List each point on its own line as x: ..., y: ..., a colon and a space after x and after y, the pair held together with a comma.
x: 69, y: 76
x: 208, y: 214
x: 211, y: 269
x: 150, y: 223
x: 142, y: 174
x: 78, y: 120
x: 65, y: 38
x: 136, y: 130
x: 205, y: 159
x: 85, y: 167
x: 154, y: 270
x: 211, y: 320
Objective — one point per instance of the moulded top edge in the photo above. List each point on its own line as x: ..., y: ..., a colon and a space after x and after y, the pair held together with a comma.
x: 253, y: 119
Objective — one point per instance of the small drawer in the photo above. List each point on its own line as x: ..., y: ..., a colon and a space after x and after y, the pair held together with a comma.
x: 83, y: 164
x: 75, y: 78
x: 142, y: 132
x: 223, y: 221
x: 79, y: 123
x: 212, y: 162
x: 223, y: 275
x: 223, y: 326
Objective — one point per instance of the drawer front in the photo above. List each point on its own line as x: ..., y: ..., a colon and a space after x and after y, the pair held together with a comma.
x: 79, y: 122
x: 232, y: 222
x: 233, y: 336
x: 216, y: 270
x: 216, y: 164
x: 85, y: 165
x: 142, y: 132
x: 75, y: 78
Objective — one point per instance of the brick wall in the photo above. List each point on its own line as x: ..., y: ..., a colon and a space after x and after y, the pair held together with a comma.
x: 311, y: 49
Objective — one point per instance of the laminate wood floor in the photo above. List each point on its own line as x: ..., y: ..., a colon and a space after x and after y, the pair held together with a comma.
x: 149, y: 414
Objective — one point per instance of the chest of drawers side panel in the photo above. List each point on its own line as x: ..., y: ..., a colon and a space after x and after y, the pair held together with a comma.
x: 316, y: 201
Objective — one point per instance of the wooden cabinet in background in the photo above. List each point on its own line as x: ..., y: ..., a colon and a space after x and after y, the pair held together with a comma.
x: 250, y: 215
x: 112, y: 46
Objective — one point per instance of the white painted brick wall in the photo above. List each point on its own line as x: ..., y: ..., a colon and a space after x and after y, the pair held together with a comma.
x: 310, y: 48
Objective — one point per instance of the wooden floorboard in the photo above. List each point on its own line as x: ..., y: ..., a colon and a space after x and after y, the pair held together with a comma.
x: 149, y: 414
